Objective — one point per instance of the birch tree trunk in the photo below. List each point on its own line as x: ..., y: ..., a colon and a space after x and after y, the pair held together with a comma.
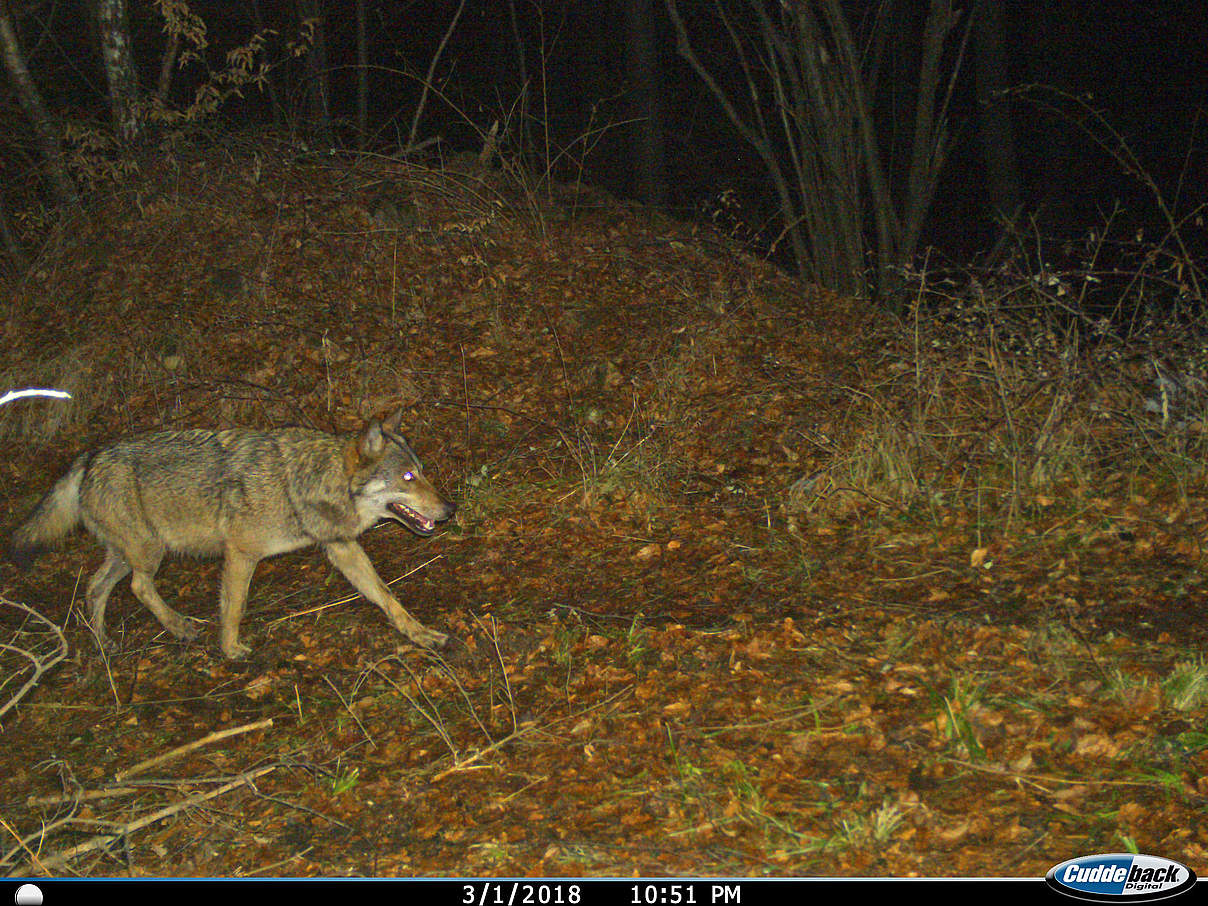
x: 119, y: 67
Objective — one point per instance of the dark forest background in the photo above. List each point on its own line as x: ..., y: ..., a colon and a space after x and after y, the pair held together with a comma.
x: 1051, y: 117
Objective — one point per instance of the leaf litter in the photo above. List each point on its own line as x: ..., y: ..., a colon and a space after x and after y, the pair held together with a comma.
x: 715, y: 612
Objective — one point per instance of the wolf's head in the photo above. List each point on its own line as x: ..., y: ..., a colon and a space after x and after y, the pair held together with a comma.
x: 389, y: 481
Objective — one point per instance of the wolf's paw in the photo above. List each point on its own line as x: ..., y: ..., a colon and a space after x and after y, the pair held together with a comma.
x: 236, y: 650
x: 427, y: 638
x: 183, y: 628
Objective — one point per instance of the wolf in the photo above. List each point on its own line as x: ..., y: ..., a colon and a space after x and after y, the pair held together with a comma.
x: 243, y: 495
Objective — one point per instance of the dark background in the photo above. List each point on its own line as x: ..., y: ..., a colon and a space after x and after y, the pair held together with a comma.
x: 1143, y: 64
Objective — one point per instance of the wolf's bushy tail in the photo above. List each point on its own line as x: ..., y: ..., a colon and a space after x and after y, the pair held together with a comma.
x: 55, y: 515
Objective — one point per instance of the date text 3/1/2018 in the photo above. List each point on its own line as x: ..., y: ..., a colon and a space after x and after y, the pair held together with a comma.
x: 518, y: 893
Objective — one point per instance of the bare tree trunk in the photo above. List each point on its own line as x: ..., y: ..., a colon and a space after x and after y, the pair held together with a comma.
x: 16, y: 254
x: 423, y: 95
x: 930, y: 144
x: 528, y: 144
x: 167, y: 64
x: 45, y: 131
x: 318, y: 93
x: 362, y: 79
x: 275, y: 102
x: 118, y: 63
x: 810, y: 112
x: 641, y: 59
x: 997, y: 135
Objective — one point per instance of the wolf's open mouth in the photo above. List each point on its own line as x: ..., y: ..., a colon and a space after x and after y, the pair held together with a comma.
x: 418, y: 523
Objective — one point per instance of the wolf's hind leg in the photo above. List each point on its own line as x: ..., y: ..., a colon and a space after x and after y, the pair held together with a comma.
x: 176, y: 623
x: 144, y: 564
x: 100, y: 586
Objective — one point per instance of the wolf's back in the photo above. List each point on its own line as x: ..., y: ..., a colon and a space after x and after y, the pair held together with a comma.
x: 55, y: 515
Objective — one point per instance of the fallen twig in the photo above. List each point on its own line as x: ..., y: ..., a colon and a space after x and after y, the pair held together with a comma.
x: 123, y: 830
x: 189, y: 747
x: 38, y: 662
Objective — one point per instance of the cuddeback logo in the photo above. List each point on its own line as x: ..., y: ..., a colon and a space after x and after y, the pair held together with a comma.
x: 1120, y: 876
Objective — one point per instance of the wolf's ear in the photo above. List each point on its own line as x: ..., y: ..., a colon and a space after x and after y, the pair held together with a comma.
x: 364, y: 450
x: 392, y: 423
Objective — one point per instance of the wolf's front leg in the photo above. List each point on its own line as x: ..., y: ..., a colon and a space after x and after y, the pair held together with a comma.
x: 349, y: 558
x: 237, y: 569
